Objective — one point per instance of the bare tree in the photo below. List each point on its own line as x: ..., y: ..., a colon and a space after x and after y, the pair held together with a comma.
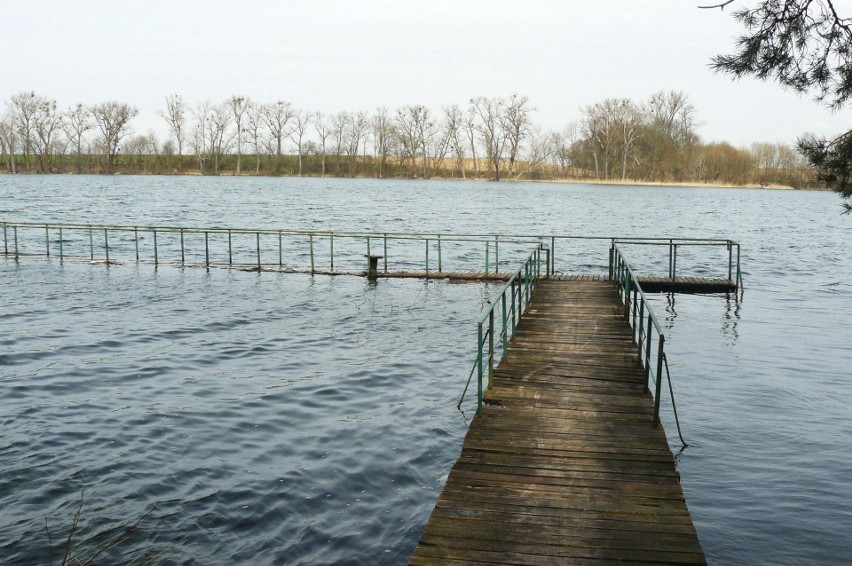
x: 490, y: 126
x: 407, y: 134
x: 175, y: 117
x: 212, y: 135
x: 238, y: 105
x: 382, y: 137
x: 516, y: 125
x: 470, y: 131
x: 324, y: 130
x: 277, y: 117
x: 255, y: 130
x: 78, y: 123
x: 8, y: 140
x: 339, y: 125
x: 23, y: 108
x: 356, y: 136
x: 453, y: 128
x: 300, y: 129
x: 47, y: 123
x: 542, y: 147
x: 628, y: 121
x: 112, y: 120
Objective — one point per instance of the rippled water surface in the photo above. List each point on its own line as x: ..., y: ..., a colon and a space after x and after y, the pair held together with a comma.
x: 284, y: 418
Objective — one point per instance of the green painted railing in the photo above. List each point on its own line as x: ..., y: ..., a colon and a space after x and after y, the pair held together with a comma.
x: 643, y: 321
x: 317, y: 250
x: 734, y: 272
x: 320, y: 250
x: 509, y: 304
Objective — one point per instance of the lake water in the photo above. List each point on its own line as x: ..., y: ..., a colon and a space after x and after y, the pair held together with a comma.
x: 284, y: 418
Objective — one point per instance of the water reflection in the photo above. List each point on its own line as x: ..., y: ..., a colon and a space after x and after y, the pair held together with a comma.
x: 731, y: 318
x: 671, y: 313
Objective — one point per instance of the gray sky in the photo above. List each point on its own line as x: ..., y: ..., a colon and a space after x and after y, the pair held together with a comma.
x: 333, y: 55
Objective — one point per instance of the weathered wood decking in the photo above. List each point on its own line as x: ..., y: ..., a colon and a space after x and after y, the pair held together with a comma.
x: 563, y: 466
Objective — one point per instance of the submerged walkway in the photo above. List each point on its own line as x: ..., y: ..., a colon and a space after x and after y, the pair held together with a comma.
x: 563, y: 465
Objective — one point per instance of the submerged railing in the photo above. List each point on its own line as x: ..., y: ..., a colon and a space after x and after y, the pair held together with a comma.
x: 323, y: 251
x: 512, y: 301
x: 314, y: 251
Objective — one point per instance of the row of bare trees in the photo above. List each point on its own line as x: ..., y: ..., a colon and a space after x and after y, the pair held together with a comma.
x: 490, y: 132
x: 34, y: 127
x: 494, y: 138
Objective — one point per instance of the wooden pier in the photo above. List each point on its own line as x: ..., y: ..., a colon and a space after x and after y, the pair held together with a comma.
x: 564, y: 465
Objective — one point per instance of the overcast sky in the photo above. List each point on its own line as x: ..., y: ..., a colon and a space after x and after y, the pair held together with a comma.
x: 333, y: 55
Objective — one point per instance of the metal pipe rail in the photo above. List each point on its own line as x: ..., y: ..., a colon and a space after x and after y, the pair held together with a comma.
x: 97, y: 245
x: 643, y: 321
x: 512, y: 300
x: 734, y: 274
x: 509, y: 246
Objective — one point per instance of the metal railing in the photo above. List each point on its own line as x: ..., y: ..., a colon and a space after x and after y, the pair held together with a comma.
x: 322, y: 250
x: 316, y: 251
x: 509, y: 304
x: 643, y: 321
x: 734, y: 272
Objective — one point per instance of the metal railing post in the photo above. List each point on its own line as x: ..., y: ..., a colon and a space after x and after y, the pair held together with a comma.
x: 206, y: 249
x: 257, y: 238
x: 281, y: 252
x: 553, y: 254
x: 427, y: 258
x: 61, y: 245
x: 514, y: 309
x: 490, y: 346
x: 91, y: 245
x: 671, y: 255
x: 312, y: 251
x: 156, y: 258
x: 505, y: 326
x: 730, y: 260
x: 440, y: 266
x: 674, y: 263
x: 611, y: 258
x: 182, y: 261
x: 479, y: 370
x: 331, y: 237
x: 739, y: 273
x: 385, y: 250
x: 47, y: 240
x: 648, y: 354
x: 496, y: 254
x: 106, y: 245
x: 487, y: 246
x: 230, y: 250
x: 136, y: 241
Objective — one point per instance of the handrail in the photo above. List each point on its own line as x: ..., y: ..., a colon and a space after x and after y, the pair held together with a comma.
x: 733, y: 249
x: 491, y: 243
x: 98, y: 239
x: 513, y: 299
x: 641, y: 318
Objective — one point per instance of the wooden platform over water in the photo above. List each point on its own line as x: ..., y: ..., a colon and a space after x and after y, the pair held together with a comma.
x: 563, y: 466
x: 650, y: 284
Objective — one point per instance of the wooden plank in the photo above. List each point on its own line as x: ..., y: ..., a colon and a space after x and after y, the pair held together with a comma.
x: 563, y: 464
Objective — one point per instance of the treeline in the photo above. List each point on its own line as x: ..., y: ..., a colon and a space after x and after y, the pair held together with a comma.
x: 489, y: 138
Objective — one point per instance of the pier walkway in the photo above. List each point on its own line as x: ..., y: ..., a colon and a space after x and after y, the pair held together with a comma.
x: 563, y: 463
